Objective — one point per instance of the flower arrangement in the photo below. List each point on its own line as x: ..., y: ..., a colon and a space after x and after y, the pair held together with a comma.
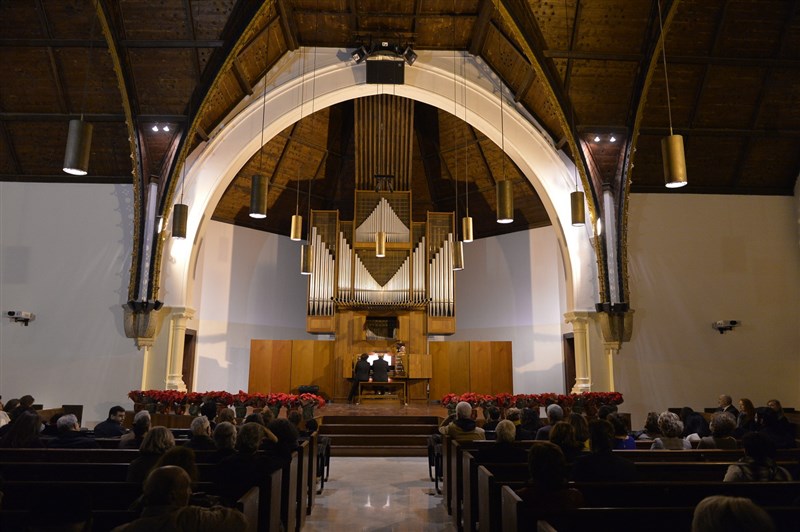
x: 307, y: 399
x: 450, y: 399
x: 505, y: 400
x: 242, y: 398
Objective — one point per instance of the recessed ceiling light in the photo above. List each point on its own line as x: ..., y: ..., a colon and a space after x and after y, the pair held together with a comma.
x: 166, y: 128
x: 597, y: 139
x: 613, y: 138
x: 154, y: 128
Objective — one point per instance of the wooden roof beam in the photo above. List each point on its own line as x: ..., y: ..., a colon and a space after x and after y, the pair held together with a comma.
x: 481, y: 27
x: 288, y: 24
x: 714, y: 45
x: 236, y: 68
x: 187, y: 8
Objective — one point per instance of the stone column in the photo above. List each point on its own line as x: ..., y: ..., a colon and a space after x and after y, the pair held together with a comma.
x: 611, y: 349
x: 177, y: 335
x: 583, y: 367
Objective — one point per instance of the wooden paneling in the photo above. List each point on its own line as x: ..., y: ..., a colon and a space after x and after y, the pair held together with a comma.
x: 502, y: 368
x: 480, y: 367
x: 440, y: 362
x: 323, y: 374
x: 459, y: 367
x: 419, y: 366
x: 302, y: 363
x: 270, y: 366
x: 481, y: 375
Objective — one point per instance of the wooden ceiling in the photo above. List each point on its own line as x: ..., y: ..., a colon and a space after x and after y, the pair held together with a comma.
x: 132, y: 66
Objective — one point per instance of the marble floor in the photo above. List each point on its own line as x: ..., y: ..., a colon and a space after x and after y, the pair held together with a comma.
x: 379, y: 495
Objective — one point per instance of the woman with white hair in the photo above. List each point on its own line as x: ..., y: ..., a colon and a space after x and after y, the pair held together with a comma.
x: 504, y: 449
x: 671, y: 428
x: 461, y: 426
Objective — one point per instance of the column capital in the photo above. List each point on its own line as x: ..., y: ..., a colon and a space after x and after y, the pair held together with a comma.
x: 177, y: 313
x: 579, y: 316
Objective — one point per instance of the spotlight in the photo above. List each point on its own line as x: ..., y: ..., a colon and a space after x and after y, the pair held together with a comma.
x: 613, y: 138
x: 409, y: 55
x: 155, y: 127
x: 359, y: 54
x: 596, y: 139
x: 165, y: 128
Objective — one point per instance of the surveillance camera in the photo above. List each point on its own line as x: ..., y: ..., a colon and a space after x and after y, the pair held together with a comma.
x: 19, y: 314
x: 725, y: 325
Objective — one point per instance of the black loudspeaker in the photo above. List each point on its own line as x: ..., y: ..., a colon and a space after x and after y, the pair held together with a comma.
x: 389, y: 72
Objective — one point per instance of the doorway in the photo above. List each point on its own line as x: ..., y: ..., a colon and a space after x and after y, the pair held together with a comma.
x: 189, y: 344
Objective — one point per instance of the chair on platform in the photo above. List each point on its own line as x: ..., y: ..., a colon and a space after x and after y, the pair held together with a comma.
x: 435, y: 459
x: 323, y: 460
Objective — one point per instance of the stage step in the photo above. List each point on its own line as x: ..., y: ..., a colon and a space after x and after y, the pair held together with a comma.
x: 379, y: 435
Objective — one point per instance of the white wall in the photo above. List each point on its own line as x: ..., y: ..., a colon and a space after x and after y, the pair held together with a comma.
x: 512, y: 288
x: 697, y: 259
x: 65, y: 256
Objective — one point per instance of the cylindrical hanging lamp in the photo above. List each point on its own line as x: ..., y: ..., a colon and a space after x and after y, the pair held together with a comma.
x: 458, y: 255
x: 297, y: 227
x: 380, y: 244
x: 258, y: 197
x: 466, y: 226
x: 180, y: 214
x: 674, y: 161
x: 505, y: 201
x: 578, y: 213
x: 79, y: 143
x: 306, y: 260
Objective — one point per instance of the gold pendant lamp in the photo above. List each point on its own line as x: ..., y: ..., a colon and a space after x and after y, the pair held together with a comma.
x: 672, y: 151
x: 505, y: 190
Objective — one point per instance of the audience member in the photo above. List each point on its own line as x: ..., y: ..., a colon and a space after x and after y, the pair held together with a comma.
x: 25, y: 405
x: 780, y: 434
x: 311, y: 428
x: 547, y: 490
x: 23, y: 432
x: 563, y: 435
x: 492, y: 418
x: 226, y: 414
x: 241, y: 471
x: 70, y: 436
x: 183, y: 457
x: 722, y: 426
x: 267, y: 415
x: 529, y: 424
x: 209, y: 409
x: 166, y: 507
x: 581, y: 426
x: 776, y: 407
x: 695, y: 425
x: 758, y: 463
x: 255, y: 417
x: 4, y: 417
x: 157, y: 441
x: 284, y: 442
x: 602, y: 465
x: 622, y: 440
x: 604, y: 411
x: 726, y: 405
x: 730, y: 514
x: 111, y: 427
x: 225, y: 439
x: 503, y: 449
x: 746, y: 422
x: 200, y: 440
x: 651, y: 430
x: 554, y: 414
x: 461, y: 426
x: 134, y: 438
x: 295, y: 418
x: 514, y: 415
x: 671, y: 433
x: 10, y: 406
x: 50, y: 429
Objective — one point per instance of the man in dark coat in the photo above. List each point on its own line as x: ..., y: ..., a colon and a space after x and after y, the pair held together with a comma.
x: 69, y: 435
x: 111, y: 427
x: 380, y: 372
x: 360, y: 374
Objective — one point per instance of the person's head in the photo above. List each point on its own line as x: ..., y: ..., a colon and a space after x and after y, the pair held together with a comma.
x: 312, y: 425
x: 200, y: 426
x: 722, y: 424
x: 758, y: 447
x: 167, y: 486
x: 209, y: 408
x: 54, y: 419
x: 746, y: 406
x: 286, y: 433
x: 226, y: 414
x: 605, y: 410
x: 256, y: 417
x: 685, y: 411
x: 158, y: 440
x: 381, y: 355
x: 720, y: 513
x: 295, y: 418
x: 547, y: 465
x: 529, y: 416
x: 725, y: 400
x: 766, y: 416
x: 116, y: 413
x: 563, y: 435
x: 506, y: 431
x: 493, y: 412
x: 463, y: 410
x: 581, y: 426
x: 26, y: 401
x: 670, y: 425
x: 601, y: 434
x: 651, y: 423
x: 68, y: 423
x: 620, y: 429
x: 225, y: 435
x: 23, y: 430
x: 11, y: 405
x: 775, y: 405
x: 182, y: 457
x: 249, y: 438
x: 141, y: 423
x: 554, y: 413
x: 513, y: 414
x: 267, y: 416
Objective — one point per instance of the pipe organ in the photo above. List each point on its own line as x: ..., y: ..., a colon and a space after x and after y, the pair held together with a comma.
x: 416, y: 272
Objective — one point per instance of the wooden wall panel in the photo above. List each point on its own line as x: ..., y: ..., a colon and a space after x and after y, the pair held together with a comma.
x: 502, y: 368
x: 302, y: 363
x: 459, y: 367
x: 440, y: 362
x: 323, y: 367
x: 270, y: 366
x: 480, y: 367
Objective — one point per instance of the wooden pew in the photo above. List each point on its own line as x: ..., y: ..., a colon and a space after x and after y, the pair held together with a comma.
x: 311, y: 471
x: 289, y: 489
x: 301, y: 490
x: 74, y: 471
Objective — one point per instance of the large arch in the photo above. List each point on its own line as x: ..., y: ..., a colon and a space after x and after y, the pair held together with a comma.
x: 213, y: 165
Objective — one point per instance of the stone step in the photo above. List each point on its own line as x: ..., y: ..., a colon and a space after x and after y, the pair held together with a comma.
x: 380, y: 420
x: 328, y: 429
x: 378, y: 440
x: 388, y: 450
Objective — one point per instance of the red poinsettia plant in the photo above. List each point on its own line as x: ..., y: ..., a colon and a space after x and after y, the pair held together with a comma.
x: 311, y: 399
x: 450, y: 398
x: 276, y: 399
x: 137, y: 396
x: 242, y: 398
x: 503, y: 400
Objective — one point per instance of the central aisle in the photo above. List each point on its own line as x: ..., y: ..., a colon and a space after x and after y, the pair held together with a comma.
x: 380, y: 495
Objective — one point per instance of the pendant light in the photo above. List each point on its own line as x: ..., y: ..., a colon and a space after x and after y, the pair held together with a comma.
x: 458, y: 247
x: 576, y: 197
x: 180, y: 211
x: 672, y: 151
x: 466, y: 221
x: 258, y: 185
x: 79, y: 135
x: 306, y: 251
x: 505, y: 190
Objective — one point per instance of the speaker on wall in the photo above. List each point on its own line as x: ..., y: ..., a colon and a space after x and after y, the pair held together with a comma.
x: 386, y: 71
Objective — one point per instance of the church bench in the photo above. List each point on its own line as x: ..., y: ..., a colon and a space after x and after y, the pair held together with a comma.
x: 75, y: 471
x: 102, y: 520
x: 70, y: 455
x: 516, y: 517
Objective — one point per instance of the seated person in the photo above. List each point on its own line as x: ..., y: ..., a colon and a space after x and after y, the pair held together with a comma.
x: 758, y: 463
x: 166, y: 507
x: 492, y: 418
x: 504, y: 449
x: 226, y: 414
x: 311, y: 428
x: 514, y: 415
x: 157, y: 441
x: 51, y: 427
x: 581, y: 426
x: 380, y: 372
x: 720, y: 513
x: 554, y: 414
x: 602, y: 465
x: 200, y: 439
x: 695, y: 425
x: 111, y: 427
x: 671, y: 433
x: 746, y: 422
x: 23, y: 431
x: 780, y: 434
x: 622, y: 440
x: 239, y: 472
x: 286, y: 438
x: 461, y: 426
x: 141, y: 425
x: 529, y: 424
x: 224, y: 436
x: 651, y: 430
x: 726, y: 405
x: 563, y: 435
x: 722, y: 426
x: 70, y: 436
x: 547, y: 489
